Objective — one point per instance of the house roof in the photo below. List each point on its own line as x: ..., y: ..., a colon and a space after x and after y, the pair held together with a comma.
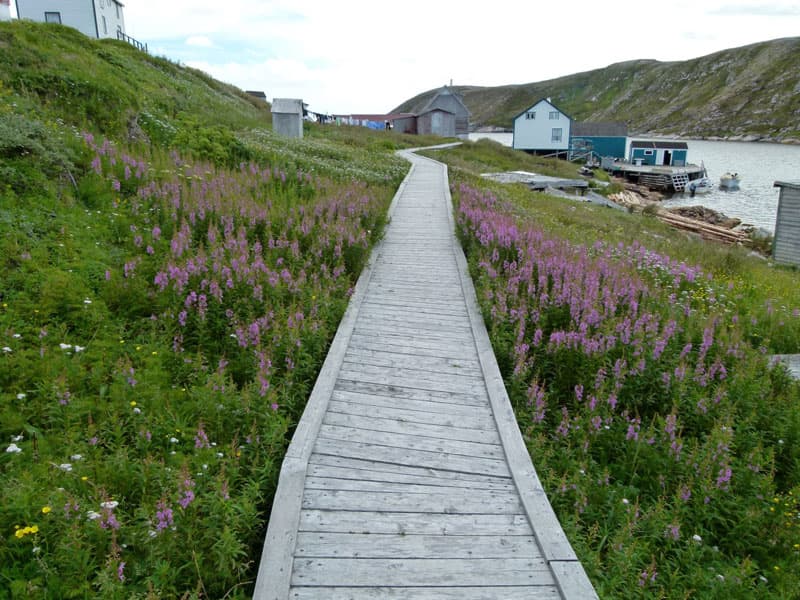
x: 601, y: 129
x: 445, y: 91
x: 287, y: 105
x: 257, y: 94
x: 795, y: 184
x: 550, y: 102
x: 378, y: 117
x: 655, y: 145
x: 434, y: 109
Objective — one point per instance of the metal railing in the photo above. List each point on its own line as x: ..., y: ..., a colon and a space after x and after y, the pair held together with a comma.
x: 121, y: 35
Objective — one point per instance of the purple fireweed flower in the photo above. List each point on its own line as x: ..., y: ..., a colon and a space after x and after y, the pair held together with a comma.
x: 673, y: 532
x: 723, y: 477
x: 121, y: 571
x: 164, y: 516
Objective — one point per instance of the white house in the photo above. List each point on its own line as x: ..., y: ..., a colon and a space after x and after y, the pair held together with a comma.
x: 542, y: 129
x: 5, y: 10
x: 95, y: 18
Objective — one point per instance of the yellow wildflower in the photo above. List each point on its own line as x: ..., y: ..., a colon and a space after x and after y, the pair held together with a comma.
x: 46, y: 509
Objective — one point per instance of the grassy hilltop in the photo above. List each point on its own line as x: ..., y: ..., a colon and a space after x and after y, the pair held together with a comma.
x: 171, y: 274
x: 748, y: 92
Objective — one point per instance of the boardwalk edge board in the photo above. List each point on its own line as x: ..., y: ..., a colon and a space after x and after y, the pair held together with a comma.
x: 275, y: 568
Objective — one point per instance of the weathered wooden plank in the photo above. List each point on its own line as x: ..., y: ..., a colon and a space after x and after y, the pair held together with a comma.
x: 451, y: 384
x: 348, y: 483
x: 377, y: 325
x: 572, y: 580
x: 418, y: 572
x: 419, y: 458
x: 412, y: 411
x: 386, y: 358
x: 427, y: 347
x: 401, y: 393
x: 402, y: 442
x: 446, y: 501
x: 359, y: 545
x: 408, y: 523
x: 374, y: 469
x: 394, y: 425
x: 365, y: 476
x: 412, y: 374
x: 411, y: 318
x: 505, y: 592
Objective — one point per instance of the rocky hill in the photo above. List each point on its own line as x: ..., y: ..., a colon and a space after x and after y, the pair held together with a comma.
x: 750, y: 93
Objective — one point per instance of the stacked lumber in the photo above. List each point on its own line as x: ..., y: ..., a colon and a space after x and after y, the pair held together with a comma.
x: 705, y: 230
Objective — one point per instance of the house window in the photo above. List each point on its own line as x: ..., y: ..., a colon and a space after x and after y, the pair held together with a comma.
x: 554, y: 115
x: 105, y: 26
x: 556, y: 137
x: 531, y: 115
x: 648, y: 153
x: 52, y: 17
x: 117, y: 7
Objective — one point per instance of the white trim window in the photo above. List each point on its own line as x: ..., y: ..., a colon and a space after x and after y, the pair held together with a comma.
x: 52, y: 17
x: 554, y: 115
x: 530, y: 116
x: 648, y: 152
x: 557, y: 134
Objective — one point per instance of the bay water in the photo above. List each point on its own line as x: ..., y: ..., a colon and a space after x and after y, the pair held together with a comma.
x: 759, y: 165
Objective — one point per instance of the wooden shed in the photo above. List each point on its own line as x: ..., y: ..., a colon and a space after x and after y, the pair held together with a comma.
x: 448, y: 100
x: 287, y: 117
x: 786, y: 243
x: 657, y: 153
x: 437, y: 121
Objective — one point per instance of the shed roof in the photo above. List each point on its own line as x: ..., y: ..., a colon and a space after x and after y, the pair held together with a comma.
x: 445, y: 91
x: 435, y: 109
x: 379, y: 117
x: 287, y: 105
x: 550, y: 102
x: 795, y: 185
x: 257, y: 94
x: 656, y: 145
x: 600, y: 129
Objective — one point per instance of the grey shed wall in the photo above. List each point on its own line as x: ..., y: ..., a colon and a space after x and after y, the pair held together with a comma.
x: 446, y: 100
x: 437, y: 122
x: 287, y: 117
x: 786, y: 243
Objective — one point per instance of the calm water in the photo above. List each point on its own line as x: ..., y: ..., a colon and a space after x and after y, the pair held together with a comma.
x: 759, y: 165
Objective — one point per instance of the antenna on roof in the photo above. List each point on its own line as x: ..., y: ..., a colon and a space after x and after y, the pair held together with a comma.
x: 451, y: 82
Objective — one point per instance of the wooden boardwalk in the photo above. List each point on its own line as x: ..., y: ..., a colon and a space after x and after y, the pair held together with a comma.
x: 407, y: 476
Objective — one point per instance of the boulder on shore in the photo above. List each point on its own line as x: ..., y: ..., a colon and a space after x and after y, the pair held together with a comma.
x: 706, y: 215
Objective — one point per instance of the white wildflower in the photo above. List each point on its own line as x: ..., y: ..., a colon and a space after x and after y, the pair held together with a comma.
x: 64, y: 346
x: 17, y: 438
x: 625, y: 501
x: 92, y: 515
x: 79, y: 348
x: 21, y: 396
x: 16, y: 336
x: 137, y: 410
x: 87, y: 301
x: 109, y: 504
x: 66, y: 467
x: 76, y: 457
x: 13, y: 449
x: 697, y: 538
x: 720, y: 577
x: 7, y: 350
x: 173, y: 440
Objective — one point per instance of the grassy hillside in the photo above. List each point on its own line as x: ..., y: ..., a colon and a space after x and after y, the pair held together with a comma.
x: 749, y: 92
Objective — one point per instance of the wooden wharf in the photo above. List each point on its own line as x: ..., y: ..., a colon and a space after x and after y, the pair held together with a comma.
x: 407, y: 476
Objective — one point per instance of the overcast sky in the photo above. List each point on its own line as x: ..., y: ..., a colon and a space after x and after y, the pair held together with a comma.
x: 358, y: 56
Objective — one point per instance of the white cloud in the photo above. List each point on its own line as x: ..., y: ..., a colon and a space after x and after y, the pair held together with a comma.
x: 199, y: 40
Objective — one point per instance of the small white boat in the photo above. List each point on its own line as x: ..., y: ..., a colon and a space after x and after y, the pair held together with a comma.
x: 730, y: 181
x: 702, y: 185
